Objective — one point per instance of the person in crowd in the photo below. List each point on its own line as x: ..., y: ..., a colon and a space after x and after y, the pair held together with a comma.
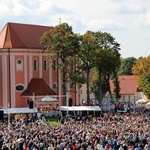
x: 127, y: 131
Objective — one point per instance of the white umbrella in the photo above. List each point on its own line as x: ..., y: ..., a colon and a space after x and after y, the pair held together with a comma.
x: 148, y: 104
x: 141, y: 101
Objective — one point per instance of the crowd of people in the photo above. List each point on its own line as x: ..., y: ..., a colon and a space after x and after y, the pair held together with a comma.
x: 117, y: 131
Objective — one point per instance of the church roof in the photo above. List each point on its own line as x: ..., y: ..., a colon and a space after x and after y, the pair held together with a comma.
x: 39, y: 87
x: 26, y: 36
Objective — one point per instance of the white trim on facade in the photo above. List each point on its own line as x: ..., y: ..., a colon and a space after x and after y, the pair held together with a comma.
x: 40, y: 66
x: 25, y: 70
x: 12, y: 82
x: 30, y: 66
x: 5, y: 80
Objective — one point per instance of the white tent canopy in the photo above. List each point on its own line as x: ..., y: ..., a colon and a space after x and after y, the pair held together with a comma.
x: 19, y: 110
x: 141, y: 101
x: 80, y: 108
x: 47, y: 99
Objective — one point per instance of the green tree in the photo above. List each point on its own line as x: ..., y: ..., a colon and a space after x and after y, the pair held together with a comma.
x: 126, y: 66
x: 106, y: 59
x: 116, y: 86
x: 141, y: 70
x: 86, y: 54
x: 94, y: 86
x: 62, y: 44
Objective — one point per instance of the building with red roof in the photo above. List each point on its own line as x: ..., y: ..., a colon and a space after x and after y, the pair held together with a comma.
x: 24, y: 71
x: 128, y: 88
x: 23, y: 66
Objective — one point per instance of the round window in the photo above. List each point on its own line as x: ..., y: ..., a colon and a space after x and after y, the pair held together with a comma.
x: 19, y: 61
x: 54, y: 86
x: 19, y: 87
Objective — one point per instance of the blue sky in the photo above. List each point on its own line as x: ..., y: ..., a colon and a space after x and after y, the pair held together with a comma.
x: 126, y: 20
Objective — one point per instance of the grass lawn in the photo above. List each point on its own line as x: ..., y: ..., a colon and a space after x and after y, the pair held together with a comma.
x: 53, y: 121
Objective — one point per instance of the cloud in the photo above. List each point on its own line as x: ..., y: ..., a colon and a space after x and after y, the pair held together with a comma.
x: 51, y: 8
x: 19, y: 10
x: 32, y: 8
x: 142, y: 21
x: 96, y: 25
x: 130, y: 8
x: 12, y: 8
x: 4, y: 8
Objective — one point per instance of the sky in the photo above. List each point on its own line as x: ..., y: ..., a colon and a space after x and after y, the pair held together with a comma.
x: 128, y: 21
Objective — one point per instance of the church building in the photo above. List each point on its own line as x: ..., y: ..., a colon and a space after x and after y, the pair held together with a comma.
x: 24, y: 71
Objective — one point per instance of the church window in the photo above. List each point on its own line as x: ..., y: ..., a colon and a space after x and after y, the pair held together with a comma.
x: 35, y: 65
x: 54, y: 64
x: 54, y: 86
x: 45, y: 65
x: 19, y: 65
x: 19, y: 87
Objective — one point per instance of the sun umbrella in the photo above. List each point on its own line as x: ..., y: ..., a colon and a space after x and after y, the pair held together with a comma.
x: 141, y: 101
x: 147, y: 104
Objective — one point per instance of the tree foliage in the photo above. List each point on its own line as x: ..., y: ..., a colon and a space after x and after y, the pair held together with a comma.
x: 126, y: 66
x: 94, y: 86
x: 63, y: 44
x: 116, y: 87
x: 141, y: 70
x: 106, y: 60
x: 97, y: 50
x: 86, y: 54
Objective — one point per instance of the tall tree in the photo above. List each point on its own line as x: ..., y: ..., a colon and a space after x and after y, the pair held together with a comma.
x: 94, y: 85
x: 126, y: 66
x: 116, y: 86
x: 86, y: 54
x: 141, y: 70
x: 62, y: 44
x: 106, y: 60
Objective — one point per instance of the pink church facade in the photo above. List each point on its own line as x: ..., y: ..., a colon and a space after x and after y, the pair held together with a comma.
x: 22, y: 58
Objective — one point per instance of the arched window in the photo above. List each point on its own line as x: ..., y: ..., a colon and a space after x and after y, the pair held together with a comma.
x: 45, y: 65
x: 19, y: 65
x: 54, y: 64
x: 35, y: 65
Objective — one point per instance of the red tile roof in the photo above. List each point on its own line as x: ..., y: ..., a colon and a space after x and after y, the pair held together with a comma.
x: 127, y: 84
x: 39, y: 87
x: 15, y: 35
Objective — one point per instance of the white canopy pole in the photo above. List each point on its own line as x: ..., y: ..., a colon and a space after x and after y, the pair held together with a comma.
x: 33, y: 99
